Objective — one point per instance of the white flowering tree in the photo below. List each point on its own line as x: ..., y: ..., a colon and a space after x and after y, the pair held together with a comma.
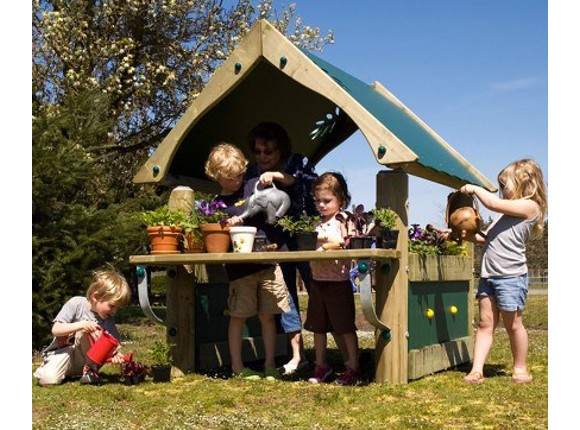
x: 110, y: 78
x: 151, y: 57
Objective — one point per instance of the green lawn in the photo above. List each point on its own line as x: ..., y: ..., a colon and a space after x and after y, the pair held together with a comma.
x: 438, y: 401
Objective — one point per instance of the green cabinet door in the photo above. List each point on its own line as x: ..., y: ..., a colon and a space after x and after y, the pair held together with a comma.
x: 437, y: 312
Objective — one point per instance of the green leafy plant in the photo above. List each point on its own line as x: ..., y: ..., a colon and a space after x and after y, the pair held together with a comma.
x: 304, y: 224
x: 162, y: 216
x: 384, y: 218
x: 160, y: 353
x: 192, y: 223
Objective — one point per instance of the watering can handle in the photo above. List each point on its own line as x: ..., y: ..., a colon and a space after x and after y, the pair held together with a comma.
x: 127, y: 357
x: 91, y: 338
x: 258, y: 183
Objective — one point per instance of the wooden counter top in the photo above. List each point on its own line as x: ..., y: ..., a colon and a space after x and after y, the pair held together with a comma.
x: 265, y: 257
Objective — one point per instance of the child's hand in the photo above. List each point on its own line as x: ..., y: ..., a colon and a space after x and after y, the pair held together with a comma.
x: 268, y: 177
x: 118, y: 358
x: 445, y: 234
x: 89, y: 326
x: 235, y: 220
x: 468, y: 189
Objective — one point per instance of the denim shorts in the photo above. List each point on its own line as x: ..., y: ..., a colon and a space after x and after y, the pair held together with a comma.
x: 509, y: 293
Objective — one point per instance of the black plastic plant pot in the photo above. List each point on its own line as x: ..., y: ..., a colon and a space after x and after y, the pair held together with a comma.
x: 161, y: 373
x: 306, y: 241
x: 388, y: 239
x: 132, y: 380
x: 361, y: 242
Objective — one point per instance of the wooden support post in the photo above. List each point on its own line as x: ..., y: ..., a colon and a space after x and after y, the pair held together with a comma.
x: 392, y: 357
x: 180, y: 319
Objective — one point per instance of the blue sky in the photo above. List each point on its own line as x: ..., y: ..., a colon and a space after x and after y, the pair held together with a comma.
x: 476, y: 72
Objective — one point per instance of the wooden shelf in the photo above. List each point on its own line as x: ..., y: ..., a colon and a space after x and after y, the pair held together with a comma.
x: 265, y: 257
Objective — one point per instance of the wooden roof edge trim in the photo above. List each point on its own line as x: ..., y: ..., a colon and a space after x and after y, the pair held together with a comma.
x: 382, y: 90
x: 305, y: 71
x: 224, y: 80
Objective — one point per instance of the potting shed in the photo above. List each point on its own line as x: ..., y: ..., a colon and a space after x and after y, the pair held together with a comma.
x: 421, y: 307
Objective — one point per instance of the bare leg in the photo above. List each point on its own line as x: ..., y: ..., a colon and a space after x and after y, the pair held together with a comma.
x: 235, y: 334
x: 320, y: 340
x: 269, y: 338
x: 297, y: 347
x: 344, y: 352
x: 488, y: 319
x: 350, y: 341
x: 518, y: 336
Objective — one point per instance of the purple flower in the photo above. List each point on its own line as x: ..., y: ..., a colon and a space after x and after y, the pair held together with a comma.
x: 211, y: 212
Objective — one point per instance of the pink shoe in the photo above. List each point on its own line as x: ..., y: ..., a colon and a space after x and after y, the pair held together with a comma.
x: 349, y: 377
x: 321, y: 374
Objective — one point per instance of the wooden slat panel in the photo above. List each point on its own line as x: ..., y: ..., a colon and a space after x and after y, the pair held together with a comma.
x: 434, y: 358
x: 424, y: 268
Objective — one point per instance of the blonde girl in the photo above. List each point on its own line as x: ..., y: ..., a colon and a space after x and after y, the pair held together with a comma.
x: 503, y: 285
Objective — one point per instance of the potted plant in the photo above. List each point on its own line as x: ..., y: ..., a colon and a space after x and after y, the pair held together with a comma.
x: 302, y: 229
x: 385, y: 222
x: 362, y: 223
x: 192, y: 236
x: 160, y: 357
x: 215, y: 234
x: 133, y: 372
x: 164, y: 229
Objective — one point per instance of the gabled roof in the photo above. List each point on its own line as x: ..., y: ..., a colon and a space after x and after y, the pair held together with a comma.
x: 267, y: 78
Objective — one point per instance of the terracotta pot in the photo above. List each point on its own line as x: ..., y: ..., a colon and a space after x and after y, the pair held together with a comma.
x: 194, y: 243
x: 164, y: 239
x: 216, y: 238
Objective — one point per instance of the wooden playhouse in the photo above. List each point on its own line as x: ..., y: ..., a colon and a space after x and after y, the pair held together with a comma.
x: 422, y: 306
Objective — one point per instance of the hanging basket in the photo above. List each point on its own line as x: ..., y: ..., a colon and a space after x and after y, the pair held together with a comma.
x: 216, y: 238
x: 164, y: 239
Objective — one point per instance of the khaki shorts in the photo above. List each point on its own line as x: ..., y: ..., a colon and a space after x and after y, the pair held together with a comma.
x: 63, y: 362
x: 263, y: 292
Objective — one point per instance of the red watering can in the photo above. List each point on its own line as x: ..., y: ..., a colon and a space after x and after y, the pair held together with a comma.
x: 103, y: 349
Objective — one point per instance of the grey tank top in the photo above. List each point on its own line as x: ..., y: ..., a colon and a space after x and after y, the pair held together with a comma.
x: 504, y: 252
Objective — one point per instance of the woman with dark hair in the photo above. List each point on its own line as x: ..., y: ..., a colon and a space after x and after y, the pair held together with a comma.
x: 293, y: 174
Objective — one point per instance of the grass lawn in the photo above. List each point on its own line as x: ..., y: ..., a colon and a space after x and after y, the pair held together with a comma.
x: 438, y: 401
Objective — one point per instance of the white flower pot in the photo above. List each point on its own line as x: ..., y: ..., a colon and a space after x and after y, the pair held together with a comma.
x: 242, y: 238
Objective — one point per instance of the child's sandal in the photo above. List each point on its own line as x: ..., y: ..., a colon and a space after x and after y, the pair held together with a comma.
x: 474, y: 378
x: 521, y: 377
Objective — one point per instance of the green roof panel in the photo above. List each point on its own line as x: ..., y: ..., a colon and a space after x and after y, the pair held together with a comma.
x: 431, y: 153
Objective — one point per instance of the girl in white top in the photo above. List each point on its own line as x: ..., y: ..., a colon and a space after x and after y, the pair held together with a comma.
x: 330, y: 299
x: 503, y: 285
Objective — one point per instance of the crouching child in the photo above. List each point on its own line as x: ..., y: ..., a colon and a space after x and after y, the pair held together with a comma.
x: 79, y: 319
